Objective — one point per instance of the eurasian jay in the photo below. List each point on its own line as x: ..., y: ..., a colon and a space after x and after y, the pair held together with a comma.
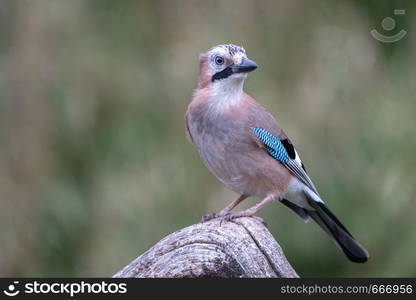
x: 242, y: 144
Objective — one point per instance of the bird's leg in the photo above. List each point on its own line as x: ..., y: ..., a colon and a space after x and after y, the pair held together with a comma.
x: 249, y: 212
x: 225, y: 211
x: 230, y: 206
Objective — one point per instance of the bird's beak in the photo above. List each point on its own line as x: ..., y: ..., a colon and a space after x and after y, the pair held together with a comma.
x: 246, y: 66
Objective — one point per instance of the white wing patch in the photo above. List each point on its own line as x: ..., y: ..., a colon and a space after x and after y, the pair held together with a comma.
x: 297, y: 158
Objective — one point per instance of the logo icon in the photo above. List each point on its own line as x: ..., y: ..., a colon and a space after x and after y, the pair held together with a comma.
x: 11, y: 289
x: 389, y: 24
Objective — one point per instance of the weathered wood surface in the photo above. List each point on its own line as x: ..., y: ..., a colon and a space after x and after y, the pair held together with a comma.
x: 239, y: 248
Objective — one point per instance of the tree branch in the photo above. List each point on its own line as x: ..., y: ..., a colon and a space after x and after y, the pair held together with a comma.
x: 239, y: 248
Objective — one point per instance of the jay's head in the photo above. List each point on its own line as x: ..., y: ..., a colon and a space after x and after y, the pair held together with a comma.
x: 224, y: 66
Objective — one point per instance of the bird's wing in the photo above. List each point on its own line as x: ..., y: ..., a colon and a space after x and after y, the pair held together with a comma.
x: 282, y: 150
x: 267, y: 133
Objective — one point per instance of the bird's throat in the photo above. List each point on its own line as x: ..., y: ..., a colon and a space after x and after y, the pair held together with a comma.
x: 226, y: 93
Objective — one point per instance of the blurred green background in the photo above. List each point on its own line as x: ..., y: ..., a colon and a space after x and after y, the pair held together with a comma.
x: 95, y: 167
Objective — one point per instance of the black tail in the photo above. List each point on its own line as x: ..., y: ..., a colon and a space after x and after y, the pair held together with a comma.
x: 338, y: 233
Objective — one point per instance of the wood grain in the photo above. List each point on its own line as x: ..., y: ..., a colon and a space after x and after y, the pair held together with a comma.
x: 239, y: 248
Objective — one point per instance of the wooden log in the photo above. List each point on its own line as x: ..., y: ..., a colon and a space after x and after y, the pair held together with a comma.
x: 239, y: 248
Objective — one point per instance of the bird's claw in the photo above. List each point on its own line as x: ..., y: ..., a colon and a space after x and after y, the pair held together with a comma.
x: 229, y: 217
x: 208, y: 217
x: 222, y: 217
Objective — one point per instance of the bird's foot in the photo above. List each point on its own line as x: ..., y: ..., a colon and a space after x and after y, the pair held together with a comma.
x: 208, y: 217
x: 240, y: 214
x: 230, y: 216
x: 222, y: 216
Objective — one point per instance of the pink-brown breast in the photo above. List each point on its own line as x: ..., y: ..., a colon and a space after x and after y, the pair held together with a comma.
x: 231, y: 151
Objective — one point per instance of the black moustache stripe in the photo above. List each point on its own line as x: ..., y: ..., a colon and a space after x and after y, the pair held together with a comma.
x: 223, y: 74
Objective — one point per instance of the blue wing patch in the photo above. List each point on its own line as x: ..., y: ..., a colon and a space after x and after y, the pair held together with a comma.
x: 274, y: 146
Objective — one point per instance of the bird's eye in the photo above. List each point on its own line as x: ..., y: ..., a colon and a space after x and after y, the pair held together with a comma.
x: 219, y: 60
